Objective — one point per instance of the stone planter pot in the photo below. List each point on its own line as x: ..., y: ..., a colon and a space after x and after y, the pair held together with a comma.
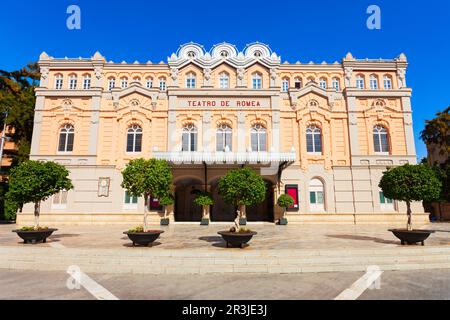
x: 204, y: 222
x: 242, y: 221
x: 235, y: 239
x: 35, y: 236
x: 165, y: 221
x: 411, y: 237
x: 143, y: 238
x: 283, y: 222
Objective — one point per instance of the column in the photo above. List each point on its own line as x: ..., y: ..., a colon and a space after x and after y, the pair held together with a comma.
x: 408, y: 126
x: 94, y: 128
x: 38, y: 115
x: 353, y: 126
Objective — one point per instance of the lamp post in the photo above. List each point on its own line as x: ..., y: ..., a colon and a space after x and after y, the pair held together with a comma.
x: 2, y: 143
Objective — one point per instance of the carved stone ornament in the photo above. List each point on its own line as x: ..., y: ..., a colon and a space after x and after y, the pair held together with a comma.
x: 44, y: 72
x: 207, y: 74
x: 273, y: 73
x: 103, y: 186
x: 240, y: 73
x: 174, y: 73
x: 98, y: 72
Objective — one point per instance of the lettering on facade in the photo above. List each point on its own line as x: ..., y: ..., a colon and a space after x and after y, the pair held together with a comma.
x: 224, y: 103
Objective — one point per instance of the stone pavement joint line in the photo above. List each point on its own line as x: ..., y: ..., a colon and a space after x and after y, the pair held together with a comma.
x: 361, y: 285
x: 99, y: 292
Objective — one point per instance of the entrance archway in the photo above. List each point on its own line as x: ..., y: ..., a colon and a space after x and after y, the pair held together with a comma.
x: 185, y: 208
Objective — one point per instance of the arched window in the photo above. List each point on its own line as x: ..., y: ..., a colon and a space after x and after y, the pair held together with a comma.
x: 66, y: 138
x: 380, y: 139
x: 191, y: 80
x: 134, y: 139
x: 111, y: 83
x: 137, y: 80
x: 387, y: 81
x: 257, y: 81
x: 149, y: 82
x: 73, y: 82
x: 189, y: 138
x: 224, y: 138
x: 162, y: 84
x: 58, y: 81
x: 297, y: 83
x: 314, y: 140
x: 258, y: 136
x: 224, y: 80
x: 124, y: 82
x: 373, y: 82
x: 316, y: 196
x: 336, y: 84
x: 360, y: 82
x: 323, y: 83
x: 285, y: 85
x: 86, y: 82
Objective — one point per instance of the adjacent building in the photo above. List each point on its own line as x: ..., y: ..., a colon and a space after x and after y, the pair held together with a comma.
x: 323, y: 133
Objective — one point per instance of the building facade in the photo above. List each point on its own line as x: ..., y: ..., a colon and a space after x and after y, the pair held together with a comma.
x: 323, y: 133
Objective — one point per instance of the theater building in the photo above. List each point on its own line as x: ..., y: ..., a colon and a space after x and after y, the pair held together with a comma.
x: 321, y: 132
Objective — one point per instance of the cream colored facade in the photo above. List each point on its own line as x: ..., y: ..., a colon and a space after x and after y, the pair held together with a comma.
x: 270, y: 110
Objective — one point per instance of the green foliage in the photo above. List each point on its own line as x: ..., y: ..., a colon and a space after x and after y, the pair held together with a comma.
x: 166, y: 200
x: 10, y: 208
x: 242, y: 187
x: 204, y: 199
x: 240, y: 230
x: 437, y: 131
x: 443, y: 173
x: 33, y: 228
x: 147, y: 177
x: 285, y: 201
x: 138, y: 229
x: 411, y: 183
x: 35, y: 181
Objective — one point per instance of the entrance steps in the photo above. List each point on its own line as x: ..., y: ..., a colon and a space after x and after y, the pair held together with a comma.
x: 201, y: 261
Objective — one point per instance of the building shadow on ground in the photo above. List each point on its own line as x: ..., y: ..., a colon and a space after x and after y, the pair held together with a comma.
x: 215, y: 240
x: 63, y: 235
x: 362, y: 238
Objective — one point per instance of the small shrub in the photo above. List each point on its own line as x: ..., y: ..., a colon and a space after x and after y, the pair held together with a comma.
x: 204, y: 199
x: 33, y: 228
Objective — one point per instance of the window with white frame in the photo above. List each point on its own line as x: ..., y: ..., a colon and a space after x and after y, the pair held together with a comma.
x: 58, y: 82
x: 224, y: 137
x: 386, y: 204
x: 191, y: 80
x: 111, y: 83
x: 224, y: 80
x: 297, y: 83
x: 335, y: 83
x: 189, y: 138
x: 59, y: 200
x: 323, y: 83
x: 73, y: 82
x: 66, y: 138
x: 124, y: 82
x: 130, y: 201
x: 387, y: 82
x: 380, y: 139
x: 316, y: 196
x: 285, y: 85
x: 134, y: 139
x: 360, y: 82
x: 373, y: 82
x: 257, y: 81
x: 162, y: 84
x: 258, y: 136
x: 86, y: 82
x: 149, y: 83
x: 314, y: 140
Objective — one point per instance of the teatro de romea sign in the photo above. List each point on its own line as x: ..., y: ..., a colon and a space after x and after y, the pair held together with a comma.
x: 224, y: 103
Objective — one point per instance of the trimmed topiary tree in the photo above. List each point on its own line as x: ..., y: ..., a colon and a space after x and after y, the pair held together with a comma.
x: 166, y: 200
x: 285, y: 201
x: 36, y: 181
x: 242, y: 187
x: 204, y: 199
x: 145, y: 178
x: 410, y: 183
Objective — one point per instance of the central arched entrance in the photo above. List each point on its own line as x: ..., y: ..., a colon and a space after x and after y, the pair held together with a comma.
x: 185, y: 192
x: 221, y: 211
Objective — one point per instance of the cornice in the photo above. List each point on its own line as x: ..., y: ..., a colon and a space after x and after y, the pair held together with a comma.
x: 353, y: 92
x: 236, y: 92
x: 43, y: 92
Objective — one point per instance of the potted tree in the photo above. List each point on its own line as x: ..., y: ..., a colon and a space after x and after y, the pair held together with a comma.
x: 204, y: 199
x: 142, y: 178
x: 285, y: 201
x: 36, y: 181
x: 166, y: 200
x: 410, y: 183
x: 241, y: 187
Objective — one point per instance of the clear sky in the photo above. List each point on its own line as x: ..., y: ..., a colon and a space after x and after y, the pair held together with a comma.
x: 302, y: 30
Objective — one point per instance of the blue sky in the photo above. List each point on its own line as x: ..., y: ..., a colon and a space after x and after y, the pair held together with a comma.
x: 297, y: 30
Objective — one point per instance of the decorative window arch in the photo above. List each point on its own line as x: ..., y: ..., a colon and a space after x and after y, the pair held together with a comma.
x: 381, y: 139
x: 335, y: 83
x: 137, y: 79
x: 224, y: 80
x: 111, y: 83
x: 73, y: 80
x: 191, y: 80
x: 224, y: 138
x: 189, y: 138
x: 124, y: 82
x: 134, y: 138
x: 86, y: 81
x: 258, y: 136
x: 162, y: 84
x: 59, y: 81
x: 323, y: 83
x: 257, y: 80
x: 387, y: 82
x: 149, y: 82
x: 285, y: 84
x: 298, y: 83
x: 373, y: 82
x: 360, y: 83
x: 66, y: 138
x: 311, y: 79
x: 313, y: 139
x: 316, y: 195
x: 379, y: 103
